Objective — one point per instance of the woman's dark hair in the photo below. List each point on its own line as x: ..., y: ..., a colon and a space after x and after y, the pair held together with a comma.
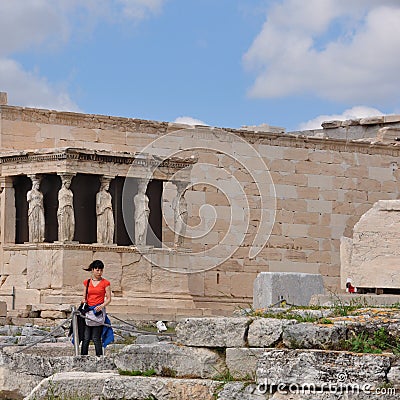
x: 95, y: 264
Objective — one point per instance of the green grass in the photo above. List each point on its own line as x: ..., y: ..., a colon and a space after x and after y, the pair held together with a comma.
x: 376, y: 343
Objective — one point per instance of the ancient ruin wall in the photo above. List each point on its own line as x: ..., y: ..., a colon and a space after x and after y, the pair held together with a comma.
x: 322, y: 187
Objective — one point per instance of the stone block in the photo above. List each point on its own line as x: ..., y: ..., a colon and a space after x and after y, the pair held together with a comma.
x: 319, y: 367
x: 242, y: 362
x: 44, y: 269
x: 3, y: 309
x: 241, y: 391
x: 73, y: 263
x: 331, y: 124
x: 109, y: 385
x: 313, y: 336
x: 177, y: 360
x: 112, y: 267
x: 295, y: 288
x: 52, y: 314
x: 15, y: 262
x: 375, y: 254
x: 372, y: 120
x: 3, y: 98
x: 212, y: 332
x: 266, y: 332
x: 136, y: 276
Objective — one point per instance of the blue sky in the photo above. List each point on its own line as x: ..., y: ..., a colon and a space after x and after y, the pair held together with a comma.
x: 228, y: 63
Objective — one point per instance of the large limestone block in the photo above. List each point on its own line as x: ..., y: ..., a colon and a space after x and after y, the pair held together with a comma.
x: 44, y: 269
x: 73, y: 263
x: 110, y: 385
x: 3, y: 309
x: 45, y: 366
x: 313, y: 336
x: 15, y: 262
x: 242, y: 362
x: 375, y: 256
x: 213, y: 332
x: 318, y: 367
x: 70, y: 385
x: 294, y: 287
x: 241, y: 391
x: 20, y: 373
x: 112, y: 267
x: 136, y: 276
x: 16, y: 385
x: 160, y: 388
x: 167, y: 357
x: 265, y: 332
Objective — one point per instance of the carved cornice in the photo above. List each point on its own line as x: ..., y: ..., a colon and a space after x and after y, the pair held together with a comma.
x: 82, y: 155
x: 70, y: 246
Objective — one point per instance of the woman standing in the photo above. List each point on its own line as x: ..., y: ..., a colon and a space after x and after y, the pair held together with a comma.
x: 98, y: 296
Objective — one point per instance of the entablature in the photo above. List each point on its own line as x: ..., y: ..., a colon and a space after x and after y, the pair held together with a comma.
x: 100, y: 162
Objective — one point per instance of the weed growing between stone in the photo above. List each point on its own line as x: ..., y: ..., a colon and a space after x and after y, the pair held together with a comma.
x: 379, y: 342
x: 289, y: 313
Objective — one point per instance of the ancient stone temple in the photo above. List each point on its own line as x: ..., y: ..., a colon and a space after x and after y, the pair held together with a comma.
x: 184, y: 217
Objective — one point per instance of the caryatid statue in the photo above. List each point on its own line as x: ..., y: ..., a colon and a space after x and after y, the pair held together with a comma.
x: 104, y: 212
x: 179, y: 205
x: 65, y: 212
x: 36, y: 222
x: 142, y: 212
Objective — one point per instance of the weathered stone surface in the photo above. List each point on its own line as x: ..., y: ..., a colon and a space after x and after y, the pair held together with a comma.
x: 375, y: 254
x: 213, y: 332
x: 14, y: 385
x: 313, y: 336
x: 331, y: 124
x: 112, y: 386
x: 168, y: 358
x: 148, y: 339
x: 242, y: 362
x: 371, y: 120
x: 240, y: 391
x: 3, y: 98
x: 295, y: 288
x: 3, y: 309
x: 265, y: 332
x: 321, y: 367
x: 44, y: 366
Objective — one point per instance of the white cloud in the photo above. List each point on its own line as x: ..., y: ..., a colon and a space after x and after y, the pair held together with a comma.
x: 351, y: 113
x: 189, y: 121
x: 335, y: 49
x: 26, y: 88
x: 27, y: 23
x: 47, y: 24
x: 139, y: 9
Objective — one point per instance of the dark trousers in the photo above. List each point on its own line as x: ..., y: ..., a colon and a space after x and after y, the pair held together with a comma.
x: 92, y: 333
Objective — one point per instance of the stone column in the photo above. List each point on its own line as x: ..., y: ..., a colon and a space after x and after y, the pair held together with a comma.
x: 142, y: 212
x: 179, y: 205
x: 36, y: 221
x: 104, y: 212
x: 7, y: 210
x: 65, y: 212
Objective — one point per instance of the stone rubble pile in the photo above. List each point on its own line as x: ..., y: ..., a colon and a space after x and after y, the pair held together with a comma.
x: 215, y: 358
